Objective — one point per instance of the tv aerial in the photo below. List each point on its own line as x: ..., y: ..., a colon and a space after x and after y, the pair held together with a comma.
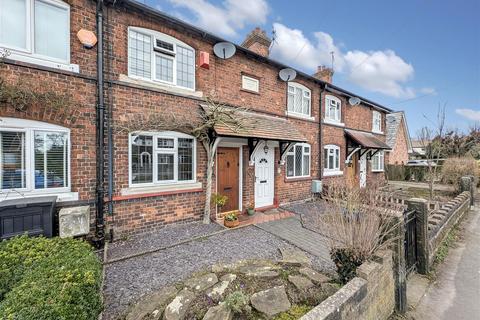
x: 354, y: 101
x: 224, y: 50
x: 287, y: 74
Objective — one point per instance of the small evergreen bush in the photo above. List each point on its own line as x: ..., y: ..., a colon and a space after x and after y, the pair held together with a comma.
x: 49, y: 279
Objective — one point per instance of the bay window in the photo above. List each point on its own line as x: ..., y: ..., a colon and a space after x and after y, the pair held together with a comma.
x: 378, y: 161
x: 331, y: 159
x: 299, y: 100
x: 34, y: 156
x: 333, y: 109
x: 159, y: 57
x: 39, y: 29
x: 162, y: 158
x: 298, y: 160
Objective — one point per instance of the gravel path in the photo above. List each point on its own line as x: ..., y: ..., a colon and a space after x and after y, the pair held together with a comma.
x: 167, y: 236
x: 126, y: 281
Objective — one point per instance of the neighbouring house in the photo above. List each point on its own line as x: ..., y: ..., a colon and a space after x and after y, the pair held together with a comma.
x: 398, y: 138
x: 307, y: 130
x: 419, y: 149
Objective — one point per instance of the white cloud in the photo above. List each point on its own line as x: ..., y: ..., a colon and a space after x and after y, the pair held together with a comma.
x: 229, y: 17
x: 428, y: 91
x: 379, y: 71
x: 470, y: 114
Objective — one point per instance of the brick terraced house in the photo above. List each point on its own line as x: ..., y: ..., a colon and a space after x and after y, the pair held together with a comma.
x: 145, y: 62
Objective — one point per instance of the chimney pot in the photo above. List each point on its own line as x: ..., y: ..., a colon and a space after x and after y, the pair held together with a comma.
x: 258, y: 42
x: 324, y: 73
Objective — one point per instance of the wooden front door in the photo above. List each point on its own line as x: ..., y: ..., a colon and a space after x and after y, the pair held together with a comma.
x: 228, y: 176
x: 352, y: 171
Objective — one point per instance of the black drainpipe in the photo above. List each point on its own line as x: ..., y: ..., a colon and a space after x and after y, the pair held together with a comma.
x: 320, y: 146
x: 100, y: 114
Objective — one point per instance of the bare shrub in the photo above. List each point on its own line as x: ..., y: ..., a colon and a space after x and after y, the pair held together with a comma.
x: 358, y: 224
x: 455, y: 168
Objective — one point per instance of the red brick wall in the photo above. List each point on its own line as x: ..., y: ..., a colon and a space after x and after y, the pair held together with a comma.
x: 399, y: 153
x: 354, y: 117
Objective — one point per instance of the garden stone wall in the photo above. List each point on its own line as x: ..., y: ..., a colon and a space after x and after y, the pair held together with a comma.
x: 448, y: 217
x: 370, y: 295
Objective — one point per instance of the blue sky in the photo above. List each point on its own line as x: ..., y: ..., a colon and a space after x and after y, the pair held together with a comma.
x: 408, y: 55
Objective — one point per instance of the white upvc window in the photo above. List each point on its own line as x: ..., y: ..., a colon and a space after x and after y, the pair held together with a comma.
x: 161, y: 58
x: 331, y: 159
x: 161, y: 158
x: 333, y: 109
x: 299, y: 99
x: 34, y: 157
x: 378, y: 162
x: 377, y: 122
x: 298, y: 160
x: 36, y: 31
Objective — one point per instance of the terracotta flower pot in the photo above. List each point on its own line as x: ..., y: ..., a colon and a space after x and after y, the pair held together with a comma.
x: 231, y: 224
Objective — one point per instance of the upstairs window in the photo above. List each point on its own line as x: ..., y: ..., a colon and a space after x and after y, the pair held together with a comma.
x: 298, y: 161
x: 331, y: 158
x: 40, y: 28
x: 158, y: 57
x: 378, y: 161
x: 299, y: 99
x: 163, y: 157
x: 333, y: 109
x: 377, y: 122
x: 33, y: 156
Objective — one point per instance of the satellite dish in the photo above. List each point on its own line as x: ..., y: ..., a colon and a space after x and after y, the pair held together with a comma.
x: 354, y: 101
x: 287, y: 74
x: 224, y: 50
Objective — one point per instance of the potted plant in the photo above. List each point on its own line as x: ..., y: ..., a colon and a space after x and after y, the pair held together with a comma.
x: 231, y: 220
x: 250, y: 208
x: 219, y: 200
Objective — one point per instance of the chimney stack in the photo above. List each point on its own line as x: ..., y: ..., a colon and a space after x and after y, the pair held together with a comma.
x: 324, y: 73
x: 258, y: 42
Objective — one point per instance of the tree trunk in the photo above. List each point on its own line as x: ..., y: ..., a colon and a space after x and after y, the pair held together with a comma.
x: 211, y: 149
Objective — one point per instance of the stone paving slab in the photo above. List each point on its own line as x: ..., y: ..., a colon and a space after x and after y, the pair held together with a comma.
x: 292, y: 231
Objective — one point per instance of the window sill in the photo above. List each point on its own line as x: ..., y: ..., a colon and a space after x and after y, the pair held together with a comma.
x: 333, y: 123
x: 295, y: 179
x: 160, y: 86
x: 250, y: 91
x: 61, y: 196
x: 42, y: 62
x: 299, y: 116
x: 332, y: 173
x: 159, y: 189
x: 377, y: 132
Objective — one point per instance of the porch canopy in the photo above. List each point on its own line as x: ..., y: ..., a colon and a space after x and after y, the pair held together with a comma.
x: 363, y: 142
x: 255, y: 127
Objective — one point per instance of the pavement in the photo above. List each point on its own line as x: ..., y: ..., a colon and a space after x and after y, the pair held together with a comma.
x: 455, y: 294
x: 421, y: 185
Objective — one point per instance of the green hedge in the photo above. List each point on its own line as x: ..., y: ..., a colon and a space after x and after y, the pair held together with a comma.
x: 49, y: 279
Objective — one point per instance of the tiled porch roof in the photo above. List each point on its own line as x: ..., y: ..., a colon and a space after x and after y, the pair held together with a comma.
x: 366, y: 139
x: 256, y: 125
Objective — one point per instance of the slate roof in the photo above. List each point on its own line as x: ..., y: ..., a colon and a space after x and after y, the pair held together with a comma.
x: 394, y: 121
x: 261, y: 126
x: 366, y: 139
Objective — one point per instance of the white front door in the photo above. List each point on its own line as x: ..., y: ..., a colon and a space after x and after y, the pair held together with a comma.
x: 363, y: 171
x: 264, y: 175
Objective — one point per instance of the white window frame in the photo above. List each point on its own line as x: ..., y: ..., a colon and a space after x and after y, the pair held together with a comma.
x: 163, y: 37
x: 306, y: 94
x: 29, y: 127
x: 336, y: 118
x: 27, y: 54
x: 381, y: 161
x: 376, y: 122
x: 309, y: 153
x: 335, y: 170
x: 245, y: 79
x: 156, y: 150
